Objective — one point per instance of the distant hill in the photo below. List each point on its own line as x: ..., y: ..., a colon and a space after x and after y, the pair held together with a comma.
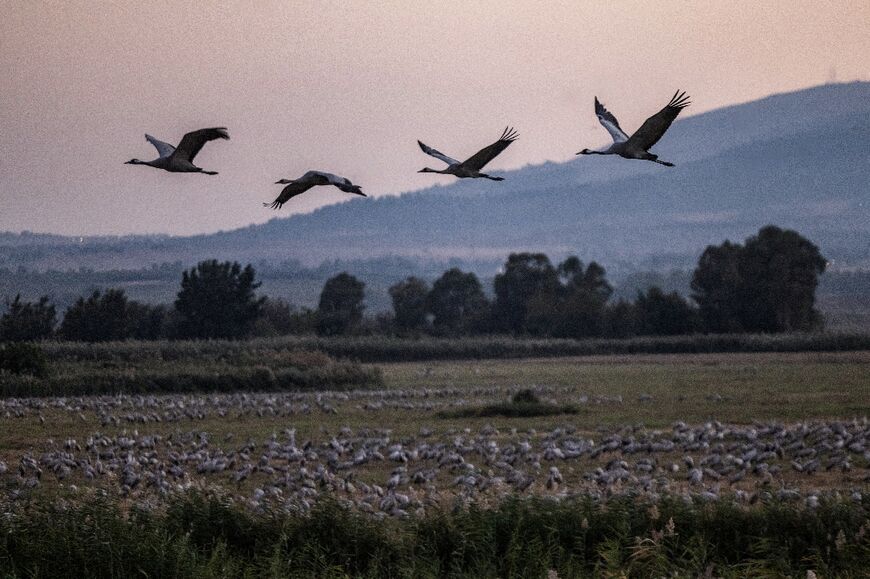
x: 799, y: 160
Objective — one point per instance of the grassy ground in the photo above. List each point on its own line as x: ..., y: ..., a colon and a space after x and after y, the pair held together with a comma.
x: 695, y: 387
x: 609, y: 391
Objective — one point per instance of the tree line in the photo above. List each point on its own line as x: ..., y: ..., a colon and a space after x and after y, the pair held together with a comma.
x: 766, y: 284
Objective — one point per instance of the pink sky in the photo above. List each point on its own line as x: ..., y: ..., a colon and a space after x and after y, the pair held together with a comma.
x: 348, y: 87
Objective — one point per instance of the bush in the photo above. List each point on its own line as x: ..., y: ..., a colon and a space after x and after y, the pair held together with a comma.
x: 524, y: 403
x: 19, y: 358
x: 525, y: 396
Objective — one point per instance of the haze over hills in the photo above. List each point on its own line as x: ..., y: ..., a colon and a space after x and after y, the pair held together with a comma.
x: 798, y: 160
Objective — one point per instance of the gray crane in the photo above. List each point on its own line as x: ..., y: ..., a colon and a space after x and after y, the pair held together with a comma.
x: 637, y: 146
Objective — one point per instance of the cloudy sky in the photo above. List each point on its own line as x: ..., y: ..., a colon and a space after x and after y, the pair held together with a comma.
x: 349, y: 87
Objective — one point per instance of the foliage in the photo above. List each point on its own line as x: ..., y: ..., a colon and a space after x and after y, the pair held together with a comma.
x: 206, y: 535
x: 163, y: 367
x: 373, y: 349
x: 102, y: 317
x: 217, y: 301
x: 20, y: 358
x: 341, y: 305
x: 457, y: 303
x: 577, y: 306
x: 766, y: 285
x: 661, y: 314
x: 620, y: 320
x: 409, y: 303
x: 524, y: 277
x: 27, y: 321
x: 278, y: 318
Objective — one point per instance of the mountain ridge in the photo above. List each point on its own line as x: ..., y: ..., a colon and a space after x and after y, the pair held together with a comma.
x: 798, y: 159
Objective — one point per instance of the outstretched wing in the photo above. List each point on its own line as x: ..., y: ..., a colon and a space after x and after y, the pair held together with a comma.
x: 288, y: 192
x: 192, y: 142
x: 654, y: 127
x: 163, y: 149
x: 437, y: 154
x: 609, y: 122
x: 342, y: 183
x: 479, y: 160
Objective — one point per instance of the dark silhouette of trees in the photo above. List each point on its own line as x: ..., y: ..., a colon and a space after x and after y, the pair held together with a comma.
x: 101, y: 317
x: 661, y: 314
x: 781, y: 271
x: 217, y: 300
x: 575, y: 307
x: 278, y: 318
x: 526, y: 277
x: 147, y: 322
x: 341, y: 305
x: 717, y: 288
x: 409, y: 303
x: 457, y: 303
x: 766, y: 285
x: 27, y: 321
x: 620, y: 320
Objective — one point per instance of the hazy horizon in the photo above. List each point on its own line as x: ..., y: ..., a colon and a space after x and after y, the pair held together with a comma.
x: 349, y: 88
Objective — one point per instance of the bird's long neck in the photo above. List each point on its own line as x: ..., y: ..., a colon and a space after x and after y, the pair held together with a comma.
x: 154, y: 163
x: 442, y: 171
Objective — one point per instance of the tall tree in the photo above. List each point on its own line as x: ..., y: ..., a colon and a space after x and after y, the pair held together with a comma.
x: 525, y: 276
x: 409, y: 303
x: 27, y: 321
x: 780, y: 269
x: 217, y: 300
x: 717, y: 288
x: 457, y: 302
x: 341, y: 305
x: 766, y: 285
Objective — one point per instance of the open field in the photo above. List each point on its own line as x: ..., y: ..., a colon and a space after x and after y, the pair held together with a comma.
x: 743, y: 431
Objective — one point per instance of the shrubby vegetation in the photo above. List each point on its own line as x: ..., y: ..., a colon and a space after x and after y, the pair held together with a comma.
x: 375, y: 349
x: 199, y: 535
x: 23, y: 359
x: 78, y: 369
x: 524, y: 403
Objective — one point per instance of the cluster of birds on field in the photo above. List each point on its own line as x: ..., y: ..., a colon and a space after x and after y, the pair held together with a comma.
x: 180, y: 159
x: 375, y: 470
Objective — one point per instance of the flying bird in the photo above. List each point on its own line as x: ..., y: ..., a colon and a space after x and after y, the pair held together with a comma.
x: 637, y: 146
x: 307, y: 181
x: 180, y: 159
x: 470, y: 168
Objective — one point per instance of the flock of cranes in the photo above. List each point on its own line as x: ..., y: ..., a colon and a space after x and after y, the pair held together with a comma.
x: 180, y: 159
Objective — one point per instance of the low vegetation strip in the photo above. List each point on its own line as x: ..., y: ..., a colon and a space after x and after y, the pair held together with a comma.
x: 141, y: 374
x: 198, y: 535
x: 382, y: 349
